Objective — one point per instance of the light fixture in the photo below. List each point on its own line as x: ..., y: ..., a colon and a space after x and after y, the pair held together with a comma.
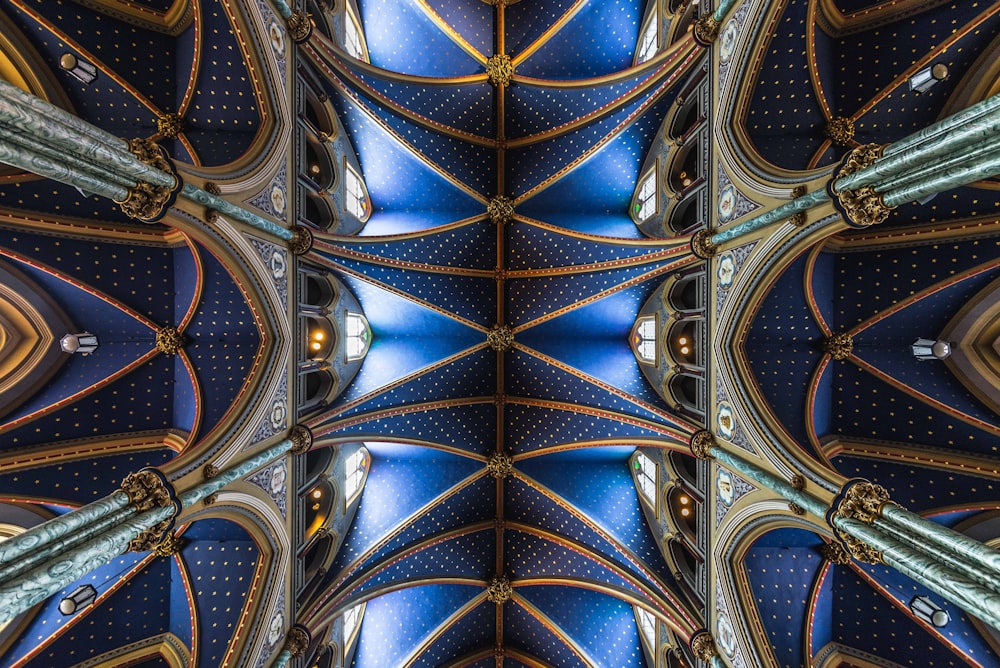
x: 78, y: 67
x: 928, y: 349
x: 685, y: 350
x: 78, y: 599
x: 685, y: 500
x: 84, y: 343
x: 924, y: 608
x: 682, y: 340
x: 316, y: 345
x: 685, y: 512
x: 317, y: 493
x: 925, y: 78
x: 318, y: 335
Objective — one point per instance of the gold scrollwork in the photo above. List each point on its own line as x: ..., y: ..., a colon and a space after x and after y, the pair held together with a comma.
x: 499, y: 69
x: 150, y: 538
x: 835, y: 553
x: 840, y: 130
x: 839, y: 345
x: 301, y: 438
x: 863, y: 501
x: 862, y: 206
x: 301, y: 241
x: 299, y: 25
x: 702, y: 443
x: 169, y: 341
x: 297, y: 641
x: 146, y: 490
x: 500, y: 338
x: 701, y: 244
x: 706, y: 29
x: 499, y: 465
x: 170, y: 125
x: 703, y: 646
x: 500, y: 209
x: 169, y: 545
x: 499, y: 590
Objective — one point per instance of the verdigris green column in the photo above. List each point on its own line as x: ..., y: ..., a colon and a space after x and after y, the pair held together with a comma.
x: 933, y: 132
x: 282, y: 8
x: 964, y: 174
x: 282, y: 659
x: 704, y: 446
x: 35, y: 585
x: 975, y: 599
x: 226, y: 207
x: 723, y: 9
x: 786, y: 210
x: 296, y: 643
x: 78, y: 165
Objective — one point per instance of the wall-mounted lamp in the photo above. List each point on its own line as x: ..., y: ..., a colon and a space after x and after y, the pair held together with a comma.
x: 78, y: 599
x: 929, y: 611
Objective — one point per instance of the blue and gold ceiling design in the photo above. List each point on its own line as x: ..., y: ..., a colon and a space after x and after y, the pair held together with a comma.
x: 433, y: 274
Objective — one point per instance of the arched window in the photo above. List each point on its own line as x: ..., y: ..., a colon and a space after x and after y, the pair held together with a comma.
x: 647, y: 627
x: 644, y: 339
x: 644, y: 471
x: 352, y: 622
x: 359, y: 336
x: 648, y: 40
x: 355, y: 194
x: 644, y: 203
x: 354, y: 37
x: 354, y: 473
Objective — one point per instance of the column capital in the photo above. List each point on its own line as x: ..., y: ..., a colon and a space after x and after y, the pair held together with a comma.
x: 701, y: 444
x: 297, y: 640
x: 703, y: 646
x: 706, y: 29
x: 148, y: 202
x: 299, y: 26
x: 863, y: 206
x: 701, y: 244
x: 835, y: 553
x: 861, y: 500
x: 302, y: 439
x: 301, y: 241
x: 148, y: 489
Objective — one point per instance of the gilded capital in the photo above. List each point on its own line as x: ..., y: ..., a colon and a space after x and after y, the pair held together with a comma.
x: 297, y: 641
x: 701, y: 244
x: 499, y: 590
x: 147, y: 202
x: 500, y: 338
x: 702, y: 443
x: 706, y: 29
x: 862, y: 500
x: 499, y: 69
x: 499, y: 465
x: 302, y: 439
x: 147, y: 489
x: 500, y: 209
x: 839, y: 345
x: 703, y: 646
x: 299, y: 26
x: 301, y: 241
x: 835, y: 553
x: 151, y: 537
x: 863, y: 206
x: 169, y: 341
x: 169, y: 545
x: 859, y: 549
x: 170, y: 125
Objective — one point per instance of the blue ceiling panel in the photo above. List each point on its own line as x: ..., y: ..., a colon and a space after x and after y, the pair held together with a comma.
x: 532, y: 165
x: 527, y: 634
x: 56, y: 199
x: 600, y: 39
x: 474, y: 631
x: 469, y: 297
x: 914, y: 488
x: 781, y: 581
x: 465, y: 427
x: 959, y: 633
x: 473, y: 375
x: 533, y: 109
x: 530, y: 556
x: 49, y: 622
x: 526, y: 21
x: 81, y: 481
x: 474, y: 22
x: 532, y: 247
x: 468, y: 556
x: 870, y: 623
x: 467, y: 108
x: 402, y: 38
x: 602, y: 626
x: 398, y: 179
x: 396, y: 623
x: 181, y: 620
x: 544, y: 427
x: 471, y: 246
x: 392, y: 474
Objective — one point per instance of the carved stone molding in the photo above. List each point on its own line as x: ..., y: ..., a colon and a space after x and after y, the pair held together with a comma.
x: 838, y: 345
x: 702, y: 443
x: 499, y: 69
x: 302, y: 439
x: 499, y: 465
x: 500, y: 338
x: 701, y: 244
x: 499, y: 589
x: 147, y: 489
x: 501, y: 209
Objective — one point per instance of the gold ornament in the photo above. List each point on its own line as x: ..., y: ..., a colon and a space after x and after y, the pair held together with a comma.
x: 148, y: 540
x: 797, y: 481
x: 299, y: 26
x: 301, y: 241
x: 863, y: 501
x: 840, y: 131
x: 212, y: 188
x: 701, y: 244
x: 499, y: 465
x: 835, y: 553
x: 500, y: 338
x: 210, y: 499
x: 859, y: 549
x: 838, y: 345
x: 169, y: 341
x: 703, y: 646
x: 499, y: 590
x: 147, y: 489
x: 499, y: 69
x: 210, y: 471
x: 798, y: 219
x: 169, y: 545
x: 796, y: 508
x: 302, y: 439
x: 862, y: 206
x: 500, y: 209
x: 170, y: 125
x: 702, y: 443
x: 297, y: 641
x: 145, y: 201
x: 706, y: 29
